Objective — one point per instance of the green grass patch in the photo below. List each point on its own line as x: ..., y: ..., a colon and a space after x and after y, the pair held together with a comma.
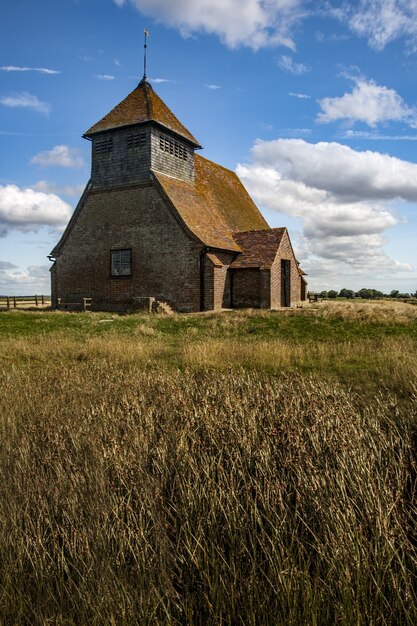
x: 298, y: 326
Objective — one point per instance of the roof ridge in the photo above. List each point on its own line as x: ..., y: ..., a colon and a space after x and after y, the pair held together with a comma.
x: 261, y: 230
x: 149, y: 104
x: 222, y: 167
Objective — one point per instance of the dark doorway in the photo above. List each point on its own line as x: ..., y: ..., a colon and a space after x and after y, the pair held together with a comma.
x: 285, y: 282
x: 303, y: 289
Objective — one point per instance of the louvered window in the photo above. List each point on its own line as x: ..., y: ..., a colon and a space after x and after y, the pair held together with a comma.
x: 136, y: 140
x: 103, y: 145
x: 173, y: 147
x: 121, y: 262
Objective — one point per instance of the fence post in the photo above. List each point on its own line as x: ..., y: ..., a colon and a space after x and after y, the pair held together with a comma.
x: 14, y: 301
x: 8, y: 302
x: 36, y: 300
x: 43, y: 299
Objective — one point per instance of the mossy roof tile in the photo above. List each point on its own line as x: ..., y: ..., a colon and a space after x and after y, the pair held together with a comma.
x: 141, y: 105
x: 215, y: 206
x: 259, y: 248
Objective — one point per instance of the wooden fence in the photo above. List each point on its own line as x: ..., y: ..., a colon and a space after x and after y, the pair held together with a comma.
x: 14, y: 302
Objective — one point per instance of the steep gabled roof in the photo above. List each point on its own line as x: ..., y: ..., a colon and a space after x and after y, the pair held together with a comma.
x: 259, y: 248
x: 215, y: 206
x: 142, y: 105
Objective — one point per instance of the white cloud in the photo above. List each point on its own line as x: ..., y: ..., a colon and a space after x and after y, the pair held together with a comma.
x: 369, y: 103
x: 337, y: 169
x: 375, y: 136
x: 253, y: 23
x: 41, y: 70
x: 67, y: 190
x: 213, y: 86
x: 5, y: 265
x: 159, y: 81
x: 289, y: 65
x: 28, y: 210
x: 382, y: 21
x: 35, y: 278
x: 104, y: 76
x: 26, y: 100
x: 301, y: 96
x: 59, y: 156
x: 117, y: 62
x: 343, y: 198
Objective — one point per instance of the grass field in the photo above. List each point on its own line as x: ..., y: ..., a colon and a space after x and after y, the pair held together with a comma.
x: 237, y: 468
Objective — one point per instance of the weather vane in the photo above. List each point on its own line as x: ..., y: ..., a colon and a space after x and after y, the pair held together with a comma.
x: 144, y: 56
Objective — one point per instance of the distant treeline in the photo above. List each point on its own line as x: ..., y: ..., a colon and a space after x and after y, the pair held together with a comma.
x: 369, y: 294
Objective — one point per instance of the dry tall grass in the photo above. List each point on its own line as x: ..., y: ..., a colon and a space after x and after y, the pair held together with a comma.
x: 382, y: 311
x: 134, y: 493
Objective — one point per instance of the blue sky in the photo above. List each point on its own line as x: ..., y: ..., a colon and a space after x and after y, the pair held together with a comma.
x: 312, y: 103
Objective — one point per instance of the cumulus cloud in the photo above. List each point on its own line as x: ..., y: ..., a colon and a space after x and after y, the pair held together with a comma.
x: 213, y: 86
x: 29, y: 210
x: 339, y: 170
x: 59, y: 156
x: 344, y: 199
x: 104, y: 76
x: 26, y: 100
x: 41, y: 70
x: 381, y: 21
x: 5, y: 265
x: 67, y: 190
x: 289, y: 65
x: 369, y: 103
x: 35, y: 278
x: 253, y: 23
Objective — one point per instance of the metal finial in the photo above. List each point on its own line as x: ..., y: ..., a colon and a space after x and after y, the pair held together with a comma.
x: 144, y: 56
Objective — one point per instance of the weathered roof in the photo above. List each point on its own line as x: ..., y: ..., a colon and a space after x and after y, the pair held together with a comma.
x: 259, y: 248
x: 141, y: 105
x: 215, y: 206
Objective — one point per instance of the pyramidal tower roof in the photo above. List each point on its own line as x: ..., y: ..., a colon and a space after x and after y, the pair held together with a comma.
x: 142, y: 105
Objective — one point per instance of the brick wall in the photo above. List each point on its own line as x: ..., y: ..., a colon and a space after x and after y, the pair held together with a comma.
x: 246, y: 288
x: 165, y: 259
x: 285, y: 252
x: 217, y: 280
x: 54, y: 301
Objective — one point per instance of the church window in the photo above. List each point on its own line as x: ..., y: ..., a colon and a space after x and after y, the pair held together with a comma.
x: 173, y: 147
x: 136, y: 140
x: 121, y: 262
x: 103, y: 145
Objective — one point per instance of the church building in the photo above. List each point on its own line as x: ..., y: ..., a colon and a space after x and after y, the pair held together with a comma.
x: 158, y: 223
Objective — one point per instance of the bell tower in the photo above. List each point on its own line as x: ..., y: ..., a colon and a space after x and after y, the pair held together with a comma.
x: 138, y: 136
